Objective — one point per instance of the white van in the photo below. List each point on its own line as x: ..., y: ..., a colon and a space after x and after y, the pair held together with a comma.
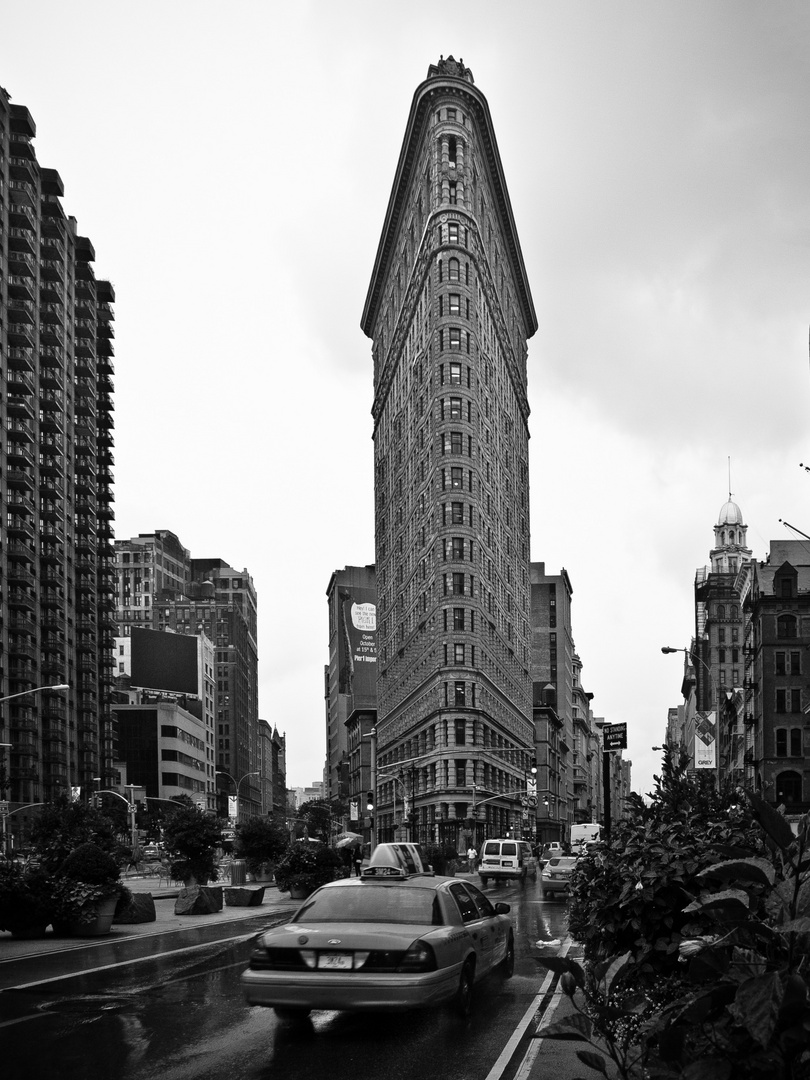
x: 506, y: 860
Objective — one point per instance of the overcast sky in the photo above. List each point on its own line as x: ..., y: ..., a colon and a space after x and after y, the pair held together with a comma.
x: 232, y: 163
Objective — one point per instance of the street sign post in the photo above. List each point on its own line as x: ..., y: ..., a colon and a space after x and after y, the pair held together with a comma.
x: 615, y: 736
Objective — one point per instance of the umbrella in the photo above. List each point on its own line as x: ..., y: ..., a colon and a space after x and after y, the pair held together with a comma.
x: 348, y: 839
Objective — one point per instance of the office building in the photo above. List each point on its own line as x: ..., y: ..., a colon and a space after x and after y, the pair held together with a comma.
x: 56, y: 485
x: 449, y: 313
x: 161, y: 586
x: 350, y: 690
x: 272, y: 771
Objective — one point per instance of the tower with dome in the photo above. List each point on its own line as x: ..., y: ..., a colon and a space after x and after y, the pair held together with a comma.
x: 720, y: 591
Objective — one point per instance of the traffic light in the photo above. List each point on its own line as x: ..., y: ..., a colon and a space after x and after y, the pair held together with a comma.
x: 534, y: 766
x: 370, y: 801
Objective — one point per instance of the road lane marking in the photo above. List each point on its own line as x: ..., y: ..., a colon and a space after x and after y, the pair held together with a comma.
x: 525, y: 1068
x: 508, y: 1051
x: 126, y: 963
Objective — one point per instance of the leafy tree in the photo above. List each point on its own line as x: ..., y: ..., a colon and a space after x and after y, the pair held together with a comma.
x: 317, y: 816
x: 63, y: 825
x: 191, y: 837
x: 260, y: 840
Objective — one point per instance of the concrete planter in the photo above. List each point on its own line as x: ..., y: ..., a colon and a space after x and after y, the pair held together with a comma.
x: 101, y: 923
x: 243, y: 897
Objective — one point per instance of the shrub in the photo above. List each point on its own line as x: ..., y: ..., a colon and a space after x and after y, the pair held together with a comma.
x: 307, y: 866
x: 260, y: 841
x: 728, y: 994
x: 63, y: 825
x: 26, y: 898
x: 87, y: 876
x: 191, y: 837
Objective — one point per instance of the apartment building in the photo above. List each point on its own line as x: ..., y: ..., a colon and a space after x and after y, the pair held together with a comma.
x: 57, y: 582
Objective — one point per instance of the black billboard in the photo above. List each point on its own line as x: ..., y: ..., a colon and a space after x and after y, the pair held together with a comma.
x: 164, y: 661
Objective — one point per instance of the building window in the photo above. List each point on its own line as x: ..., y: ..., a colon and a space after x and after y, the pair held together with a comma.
x: 454, y: 301
x: 456, y: 442
x: 456, y: 478
x: 452, y: 237
x: 453, y: 266
x: 781, y: 742
x: 461, y: 726
x: 780, y: 663
x: 458, y: 584
x: 452, y: 193
x: 457, y: 547
x: 786, y: 627
x: 458, y: 653
x: 458, y: 618
x: 455, y: 337
x: 795, y: 742
x: 455, y: 373
x: 457, y: 513
x: 455, y: 408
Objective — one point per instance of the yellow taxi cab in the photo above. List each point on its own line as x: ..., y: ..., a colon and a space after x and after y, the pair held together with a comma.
x: 398, y: 937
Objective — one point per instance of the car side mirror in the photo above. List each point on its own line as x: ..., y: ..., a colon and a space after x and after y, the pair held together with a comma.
x: 502, y: 909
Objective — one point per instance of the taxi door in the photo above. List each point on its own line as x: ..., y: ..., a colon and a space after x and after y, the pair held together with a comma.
x: 482, y: 929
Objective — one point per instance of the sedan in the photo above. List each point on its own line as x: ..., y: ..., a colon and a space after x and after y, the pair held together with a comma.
x: 556, y: 877
x: 382, y: 943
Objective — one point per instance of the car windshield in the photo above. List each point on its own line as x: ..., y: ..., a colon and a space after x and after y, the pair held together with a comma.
x: 366, y: 902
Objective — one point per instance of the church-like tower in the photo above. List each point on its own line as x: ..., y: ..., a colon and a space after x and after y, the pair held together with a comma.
x: 718, y: 646
x: 449, y: 312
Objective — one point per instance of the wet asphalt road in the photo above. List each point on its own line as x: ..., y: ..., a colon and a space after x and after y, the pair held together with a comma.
x: 178, y: 1015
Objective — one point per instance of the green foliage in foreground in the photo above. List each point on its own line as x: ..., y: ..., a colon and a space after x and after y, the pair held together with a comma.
x: 702, y: 971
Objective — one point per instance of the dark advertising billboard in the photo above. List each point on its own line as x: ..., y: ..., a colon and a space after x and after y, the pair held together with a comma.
x: 164, y: 661
x: 358, y: 645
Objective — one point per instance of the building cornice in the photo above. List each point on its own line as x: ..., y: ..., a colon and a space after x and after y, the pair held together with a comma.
x: 423, y: 99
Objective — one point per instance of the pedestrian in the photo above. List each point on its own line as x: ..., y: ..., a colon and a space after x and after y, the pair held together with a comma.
x: 472, y: 855
x: 358, y: 861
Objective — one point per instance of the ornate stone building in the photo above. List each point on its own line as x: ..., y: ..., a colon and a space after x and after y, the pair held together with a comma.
x: 449, y: 312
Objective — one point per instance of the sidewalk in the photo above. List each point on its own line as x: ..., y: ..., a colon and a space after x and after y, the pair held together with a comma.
x: 60, y: 955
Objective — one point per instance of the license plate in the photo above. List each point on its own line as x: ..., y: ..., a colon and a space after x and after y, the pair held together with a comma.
x: 335, y: 961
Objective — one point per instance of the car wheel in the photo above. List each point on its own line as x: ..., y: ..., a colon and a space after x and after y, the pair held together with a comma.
x: 507, y: 967
x: 484, y: 881
x: 291, y: 1012
x: 462, y: 1003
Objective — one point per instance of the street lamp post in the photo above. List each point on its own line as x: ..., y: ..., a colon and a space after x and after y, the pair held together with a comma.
x: 238, y: 786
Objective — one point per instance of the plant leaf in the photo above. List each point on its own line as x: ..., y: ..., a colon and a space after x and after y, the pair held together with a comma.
x: 758, y: 870
x: 592, y: 1060
x: 795, y: 926
x: 730, y: 898
x: 576, y: 1026
x: 774, y: 824
x: 562, y: 964
x: 756, y: 1005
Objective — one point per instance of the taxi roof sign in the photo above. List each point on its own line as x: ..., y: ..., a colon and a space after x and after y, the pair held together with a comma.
x: 395, y: 861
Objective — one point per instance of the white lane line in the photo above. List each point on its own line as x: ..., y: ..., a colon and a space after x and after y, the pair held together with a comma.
x: 126, y: 963
x: 524, y: 1071
x: 22, y: 1019
x: 506, y: 1054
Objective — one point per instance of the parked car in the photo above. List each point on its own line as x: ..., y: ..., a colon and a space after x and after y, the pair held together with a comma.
x: 556, y: 877
x: 391, y: 939
x: 506, y: 860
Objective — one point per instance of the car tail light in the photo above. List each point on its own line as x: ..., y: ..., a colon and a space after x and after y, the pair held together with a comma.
x: 420, y: 957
